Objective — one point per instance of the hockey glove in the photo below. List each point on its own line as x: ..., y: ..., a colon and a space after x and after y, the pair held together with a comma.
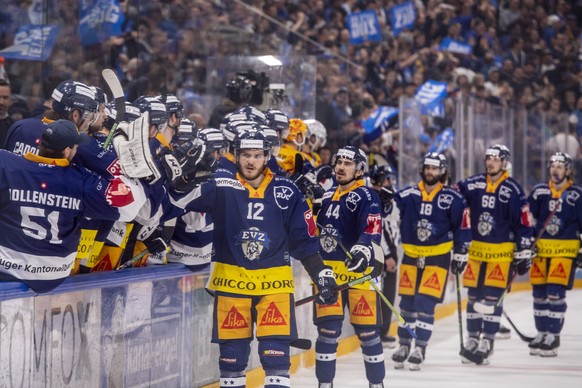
x: 301, y: 181
x: 157, y: 248
x: 360, y: 258
x: 458, y: 263
x: 522, y: 261
x: 326, y: 286
x: 386, y: 195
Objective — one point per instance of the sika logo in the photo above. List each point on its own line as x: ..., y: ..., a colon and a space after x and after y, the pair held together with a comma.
x: 405, y: 281
x: 469, y: 275
x: 433, y: 282
x: 559, y: 272
x: 272, y: 317
x: 496, y: 274
x: 234, y: 320
x: 536, y: 272
x: 362, y: 309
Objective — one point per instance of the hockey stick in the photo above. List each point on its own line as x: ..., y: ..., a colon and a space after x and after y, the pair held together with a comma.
x: 463, y: 351
x: 488, y: 309
x: 523, y: 337
x: 134, y: 259
x: 378, y: 256
x: 301, y: 343
x: 119, y: 98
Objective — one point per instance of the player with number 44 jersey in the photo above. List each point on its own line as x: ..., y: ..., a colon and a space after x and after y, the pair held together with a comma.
x: 350, y: 220
x: 434, y: 221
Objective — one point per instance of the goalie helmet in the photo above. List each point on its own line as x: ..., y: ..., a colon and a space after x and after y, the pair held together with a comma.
x: 251, y: 139
x: 173, y: 105
x: 351, y: 153
x: 498, y: 151
x: 316, y: 133
x: 379, y: 173
x: 157, y: 110
x: 296, y: 127
x: 70, y: 95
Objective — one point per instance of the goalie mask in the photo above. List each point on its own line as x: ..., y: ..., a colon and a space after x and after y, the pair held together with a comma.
x: 297, y: 127
x: 316, y: 133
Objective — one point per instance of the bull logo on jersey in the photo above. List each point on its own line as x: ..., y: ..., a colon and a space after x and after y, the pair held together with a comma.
x: 328, y: 237
x: 445, y: 201
x: 553, y: 226
x: 253, y: 241
x: 352, y: 201
x: 424, y: 230
x: 282, y: 195
x: 485, y: 224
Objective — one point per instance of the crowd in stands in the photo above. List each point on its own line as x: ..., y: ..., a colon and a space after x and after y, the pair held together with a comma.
x: 525, y: 53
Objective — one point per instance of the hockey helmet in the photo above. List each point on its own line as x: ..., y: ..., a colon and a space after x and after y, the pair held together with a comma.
x: 351, y: 153
x: 278, y: 121
x: 173, y: 105
x: 561, y: 157
x: 379, y: 173
x: 70, y: 95
x: 316, y: 133
x: 435, y: 159
x: 498, y: 151
x: 296, y: 127
x: 157, y: 110
x: 251, y: 139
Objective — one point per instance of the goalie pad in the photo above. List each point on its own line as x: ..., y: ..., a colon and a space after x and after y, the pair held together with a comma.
x: 131, y: 145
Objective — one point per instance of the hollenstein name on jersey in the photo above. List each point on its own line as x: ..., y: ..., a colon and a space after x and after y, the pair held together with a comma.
x: 48, y: 199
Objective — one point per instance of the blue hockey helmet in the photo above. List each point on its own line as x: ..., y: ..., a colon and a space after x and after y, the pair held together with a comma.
x: 71, y: 95
x: 157, y: 110
x: 351, y: 153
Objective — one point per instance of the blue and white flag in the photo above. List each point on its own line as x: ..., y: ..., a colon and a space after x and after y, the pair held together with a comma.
x: 402, y: 16
x: 100, y: 20
x: 443, y: 141
x: 32, y: 43
x: 364, y: 27
x: 455, y: 46
x: 430, y: 95
x: 379, y: 122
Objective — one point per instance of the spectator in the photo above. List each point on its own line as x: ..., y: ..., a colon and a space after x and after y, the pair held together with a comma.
x: 5, y: 102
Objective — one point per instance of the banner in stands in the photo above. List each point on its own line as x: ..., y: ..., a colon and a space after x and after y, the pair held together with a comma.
x: 32, y: 43
x: 100, y: 20
x: 364, y: 27
x: 402, y: 16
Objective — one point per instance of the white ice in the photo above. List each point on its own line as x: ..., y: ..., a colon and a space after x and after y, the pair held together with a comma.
x: 511, y: 365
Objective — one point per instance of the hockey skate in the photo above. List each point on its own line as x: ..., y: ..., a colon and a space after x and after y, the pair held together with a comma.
x: 379, y: 385
x: 416, y: 358
x: 549, y: 348
x: 470, y: 346
x: 325, y: 385
x: 400, y: 356
x: 503, y: 333
x: 388, y: 341
x: 485, y: 350
x: 534, y: 346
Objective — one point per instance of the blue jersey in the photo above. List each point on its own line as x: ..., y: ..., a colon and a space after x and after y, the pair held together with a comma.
x: 561, y: 237
x: 256, y: 231
x: 227, y: 162
x: 500, y: 217
x: 41, y: 203
x: 433, y: 224
x: 24, y: 136
x: 97, y: 159
x: 191, y: 243
x: 350, y: 217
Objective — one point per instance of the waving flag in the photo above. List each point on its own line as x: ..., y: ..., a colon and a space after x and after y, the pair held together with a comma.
x: 430, y: 96
x: 32, y: 43
x: 363, y: 27
x: 455, y: 46
x: 379, y: 122
x: 100, y: 20
x: 402, y: 16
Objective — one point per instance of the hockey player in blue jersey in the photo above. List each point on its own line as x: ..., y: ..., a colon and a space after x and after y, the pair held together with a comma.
x: 502, y: 233
x: 434, y: 222
x: 260, y: 221
x: 72, y: 100
x: 552, y: 272
x: 349, y: 215
x: 43, y: 197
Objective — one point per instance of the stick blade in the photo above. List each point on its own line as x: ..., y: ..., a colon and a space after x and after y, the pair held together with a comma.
x: 112, y: 82
x: 472, y: 357
x: 301, y: 343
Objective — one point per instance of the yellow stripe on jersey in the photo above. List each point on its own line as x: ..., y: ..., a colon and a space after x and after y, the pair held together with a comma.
x: 428, y: 197
x: 342, y: 274
x: 238, y: 280
x: 259, y: 192
x: 417, y: 251
x: 492, y: 186
x: 491, y: 252
x: 558, y: 248
x: 558, y: 193
x: 338, y: 192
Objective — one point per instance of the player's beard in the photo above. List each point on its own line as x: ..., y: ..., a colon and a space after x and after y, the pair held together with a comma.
x: 252, y: 176
x: 430, y: 180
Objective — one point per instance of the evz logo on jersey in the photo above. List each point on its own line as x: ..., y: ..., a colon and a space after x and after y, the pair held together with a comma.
x: 352, y: 201
x: 424, y: 230
x: 328, y: 237
x: 252, y: 241
x: 282, y: 196
x: 554, y: 226
x: 485, y: 224
x: 445, y: 201
x: 504, y: 194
